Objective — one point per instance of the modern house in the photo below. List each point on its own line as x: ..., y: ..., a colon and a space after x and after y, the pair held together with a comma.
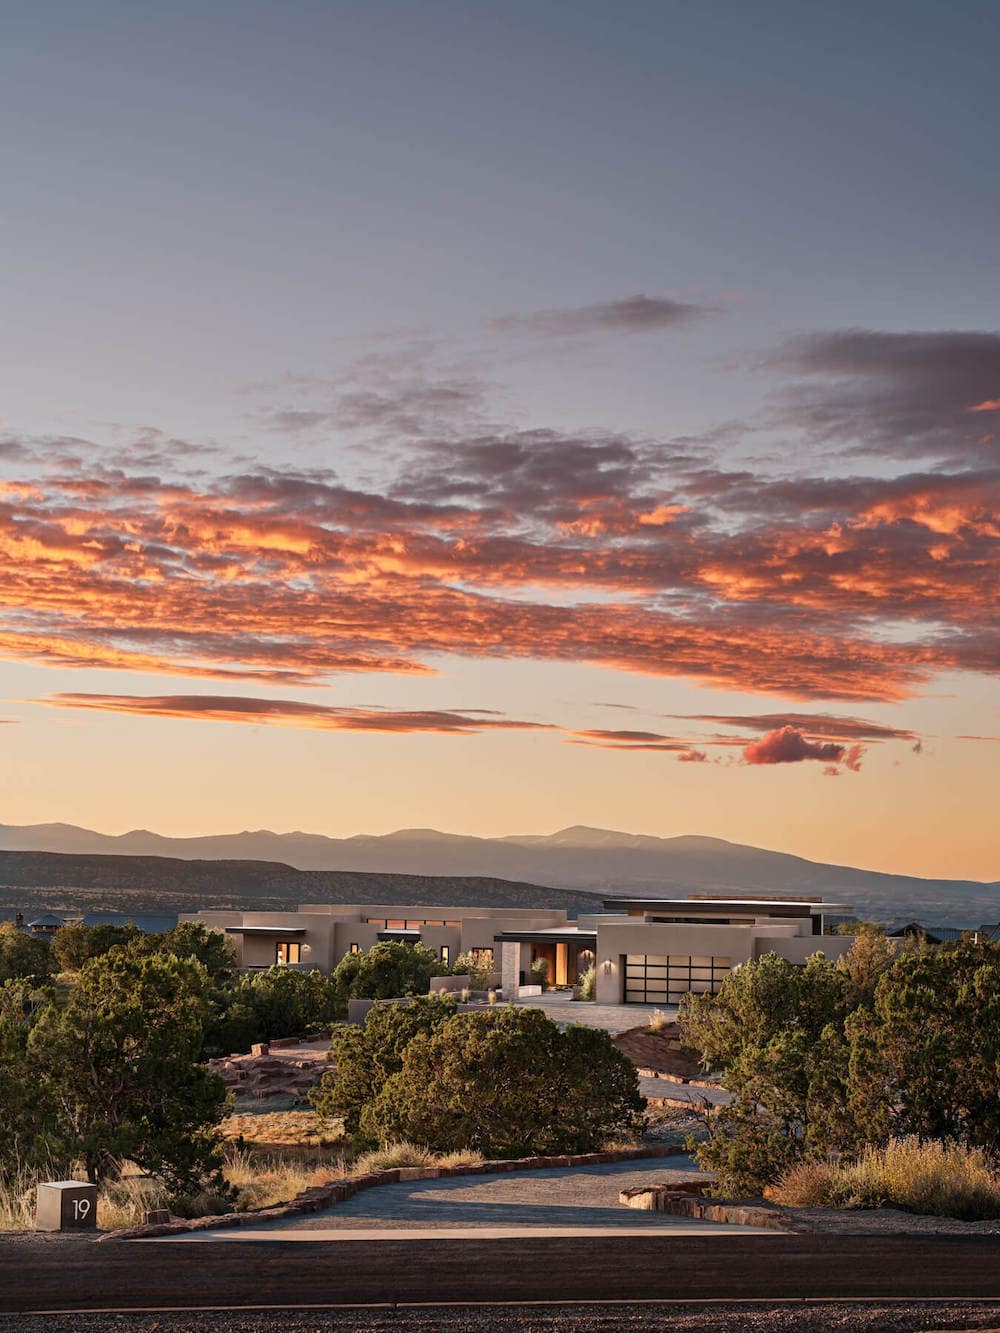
x: 644, y: 950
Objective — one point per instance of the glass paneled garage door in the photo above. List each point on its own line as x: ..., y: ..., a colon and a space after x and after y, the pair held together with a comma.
x: 663, y: 979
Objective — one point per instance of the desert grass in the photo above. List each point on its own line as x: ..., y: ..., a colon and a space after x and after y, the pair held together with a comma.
x: 258, y: 1180
x: 919, y: 1175
x: 658, y: 1020
x: 403, y: 1154
x: 283, y: 1129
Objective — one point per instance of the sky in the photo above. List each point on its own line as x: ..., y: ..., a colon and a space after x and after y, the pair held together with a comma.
x: 497, y: 417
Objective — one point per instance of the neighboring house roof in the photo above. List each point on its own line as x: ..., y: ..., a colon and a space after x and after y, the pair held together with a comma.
x: 46, y: 919
x: 990, y: 933
x: 933, y: 934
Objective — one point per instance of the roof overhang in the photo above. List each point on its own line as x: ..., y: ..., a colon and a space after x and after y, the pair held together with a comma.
x: 724, y: 906
x: 265, y: 930
x: 554, y: 936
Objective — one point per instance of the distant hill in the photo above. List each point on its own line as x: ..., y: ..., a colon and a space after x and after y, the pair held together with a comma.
x: 577, y: 859
x: 143, y: 884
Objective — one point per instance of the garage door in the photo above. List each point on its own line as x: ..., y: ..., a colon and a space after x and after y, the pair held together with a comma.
x: 662, y: 979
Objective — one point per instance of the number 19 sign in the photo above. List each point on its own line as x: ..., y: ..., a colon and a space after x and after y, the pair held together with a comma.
x: 66, y: 1205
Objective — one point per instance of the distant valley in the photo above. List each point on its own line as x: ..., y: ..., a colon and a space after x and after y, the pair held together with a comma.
x: 564, y: 869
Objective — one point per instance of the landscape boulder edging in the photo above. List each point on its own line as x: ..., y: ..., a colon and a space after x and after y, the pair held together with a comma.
x: 689, y: 1201
x: 320, y: 1197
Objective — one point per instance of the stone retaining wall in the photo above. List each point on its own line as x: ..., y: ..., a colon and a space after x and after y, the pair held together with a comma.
x: 689, y: 1201
x: 320, y: 1197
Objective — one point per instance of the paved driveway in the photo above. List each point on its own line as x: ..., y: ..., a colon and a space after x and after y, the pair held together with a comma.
x: 611, y: 1017
x: 554, y: 1202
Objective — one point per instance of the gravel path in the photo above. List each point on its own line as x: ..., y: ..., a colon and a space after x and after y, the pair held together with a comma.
x: 764, y: 1318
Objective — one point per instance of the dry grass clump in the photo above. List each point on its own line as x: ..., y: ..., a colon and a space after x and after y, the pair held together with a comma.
x: 402, y: 1154
x: 260, y: 1181
x: 283, y: 1129
x: 658, y: 1020
x: 922, y: 1176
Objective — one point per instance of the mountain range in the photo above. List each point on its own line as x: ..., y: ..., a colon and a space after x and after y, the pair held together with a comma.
x: 578, y: 859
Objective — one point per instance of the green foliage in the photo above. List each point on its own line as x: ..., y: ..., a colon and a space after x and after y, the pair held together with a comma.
x: 588, y: 984
x: 470, y: 965
x: 839, y: 1058
x: 120, y: 1063
x: 75, y: 944
x: 925, y: 1058
x: 539, y: 973
x: 387, y: 970
x: 506, y: 1082
x: 22, y: 956
x: 26, y: 1138
x: 365, y: 1055
x: 758, y: 1002
x: 278, y: 1002
x: 191, y: 939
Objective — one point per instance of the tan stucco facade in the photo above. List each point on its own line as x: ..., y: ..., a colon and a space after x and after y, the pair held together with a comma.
x: 645, y: 954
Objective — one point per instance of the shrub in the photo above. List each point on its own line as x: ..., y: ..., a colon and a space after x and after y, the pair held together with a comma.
x: 539, y: 973
x: 365, y: 1056
x: 280, y: 1002
x: 387, y: 970
x: 804, y: 1185
x: 22, y: 957
x: 658, y: 1020
x: 507, y: 1082
x: 120, y: 1064
x: 471, y: 965
x: 588, y: 984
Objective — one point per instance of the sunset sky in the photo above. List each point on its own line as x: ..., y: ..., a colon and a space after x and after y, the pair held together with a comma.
x: 501, y: 416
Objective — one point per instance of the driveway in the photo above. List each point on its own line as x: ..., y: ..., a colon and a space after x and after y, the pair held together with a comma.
x: 611, y: 1017
x: 559, y: 1201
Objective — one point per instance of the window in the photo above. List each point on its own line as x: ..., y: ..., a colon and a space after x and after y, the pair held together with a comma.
x: 375, y: 921
x: 484, y: 959
x: 398, y: 924
x: 663, y: 979
x: 453, y: 923
x: 288, y: 951
x: 446, y: 955
x: 355, y: 948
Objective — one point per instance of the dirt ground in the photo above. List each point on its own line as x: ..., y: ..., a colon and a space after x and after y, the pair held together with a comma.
x: 659, y: 1051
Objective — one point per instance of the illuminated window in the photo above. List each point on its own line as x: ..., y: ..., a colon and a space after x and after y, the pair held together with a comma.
x: 355, y: 948
x: 484, y: 959
x: 395, y: 925
x: 288, y: 951
x: 445, y: 955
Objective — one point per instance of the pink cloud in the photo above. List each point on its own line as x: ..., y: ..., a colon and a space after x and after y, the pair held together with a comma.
x: 787, y: 745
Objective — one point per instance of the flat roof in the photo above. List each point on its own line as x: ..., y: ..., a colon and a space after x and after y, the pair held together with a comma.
x: 550, y: 935
x: 265, y: 930
x: 778, y: 907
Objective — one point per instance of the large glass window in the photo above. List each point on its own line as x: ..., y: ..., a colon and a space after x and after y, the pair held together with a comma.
x: 663, y: 979
x: 288, y: 951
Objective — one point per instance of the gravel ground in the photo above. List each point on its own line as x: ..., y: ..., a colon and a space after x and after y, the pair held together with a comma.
x: 763, y: 1318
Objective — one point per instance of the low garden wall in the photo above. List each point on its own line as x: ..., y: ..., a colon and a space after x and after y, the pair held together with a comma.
x: 320, y: 1197
x: 689, y: 1201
